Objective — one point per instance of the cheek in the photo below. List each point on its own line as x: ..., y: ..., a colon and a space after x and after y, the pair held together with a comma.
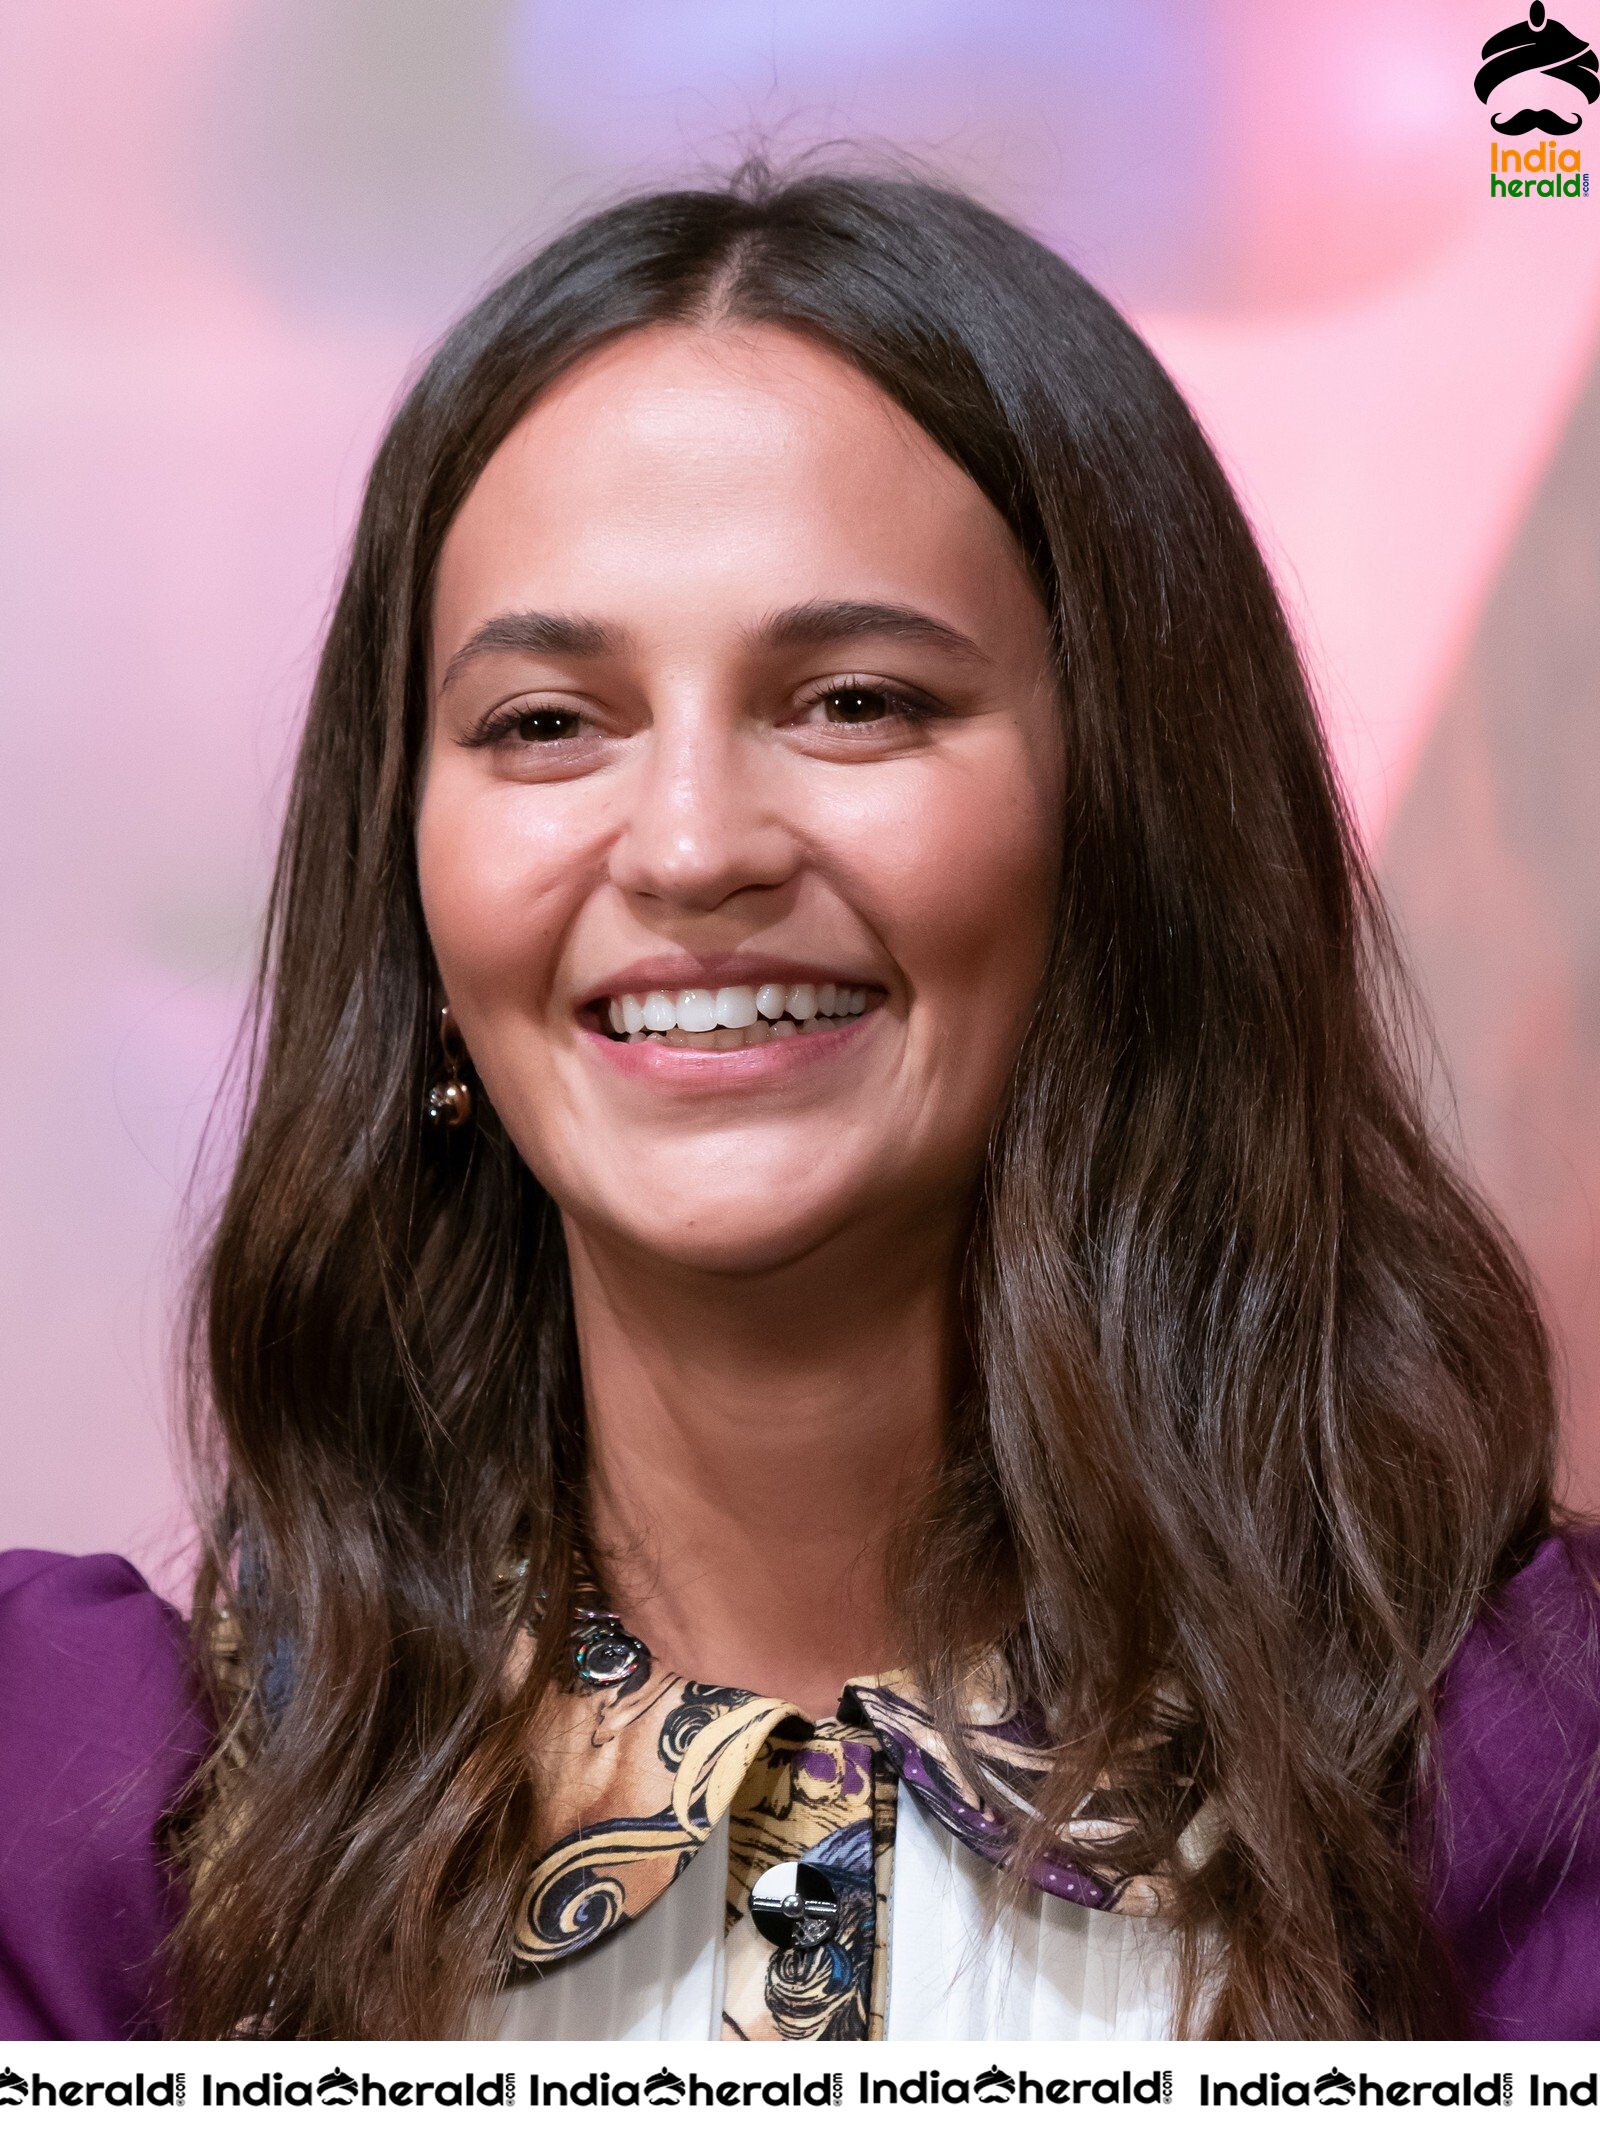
x: 968, y: 885
x: 497, y: 882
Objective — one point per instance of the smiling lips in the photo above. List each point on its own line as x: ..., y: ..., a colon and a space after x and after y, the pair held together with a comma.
x: 733, y: 1017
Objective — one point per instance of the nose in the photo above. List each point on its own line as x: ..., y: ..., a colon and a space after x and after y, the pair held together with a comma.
x: 702, y: 817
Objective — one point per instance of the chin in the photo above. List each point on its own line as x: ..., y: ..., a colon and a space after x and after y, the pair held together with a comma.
x: 750, y: 1238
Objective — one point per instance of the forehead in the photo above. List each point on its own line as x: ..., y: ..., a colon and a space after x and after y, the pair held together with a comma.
x: 681, y: 468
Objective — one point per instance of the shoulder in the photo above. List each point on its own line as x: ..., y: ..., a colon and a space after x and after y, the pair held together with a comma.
x: 100, y: 1727
x: 1514, y: 1799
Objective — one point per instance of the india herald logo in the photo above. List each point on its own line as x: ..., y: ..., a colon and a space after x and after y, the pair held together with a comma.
x: 1532, y: 57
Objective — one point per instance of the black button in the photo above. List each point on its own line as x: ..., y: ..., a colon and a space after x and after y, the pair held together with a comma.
x: 794, y: 1905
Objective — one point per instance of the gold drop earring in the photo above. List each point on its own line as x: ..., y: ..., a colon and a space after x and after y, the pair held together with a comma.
x: 450, y: 1101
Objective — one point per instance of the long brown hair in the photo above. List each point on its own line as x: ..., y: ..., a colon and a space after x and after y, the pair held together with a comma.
x: 1261, y: 1404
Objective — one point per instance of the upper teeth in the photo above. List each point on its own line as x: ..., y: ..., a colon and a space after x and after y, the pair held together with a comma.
x: 698, y: 1008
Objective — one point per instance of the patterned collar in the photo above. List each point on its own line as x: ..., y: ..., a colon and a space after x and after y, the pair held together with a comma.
x: 639, y: 1765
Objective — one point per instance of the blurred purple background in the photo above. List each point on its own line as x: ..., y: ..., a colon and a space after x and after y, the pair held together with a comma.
x: 230, y: 228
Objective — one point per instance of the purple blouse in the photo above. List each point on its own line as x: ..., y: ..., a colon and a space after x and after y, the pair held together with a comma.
x: 100, y: 1727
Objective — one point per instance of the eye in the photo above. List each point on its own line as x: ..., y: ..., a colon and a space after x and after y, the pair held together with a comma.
x: 866, y: 703
x: 539, y: 725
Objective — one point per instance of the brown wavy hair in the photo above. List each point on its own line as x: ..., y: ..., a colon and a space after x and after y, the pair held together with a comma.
x: 1260, y: 1404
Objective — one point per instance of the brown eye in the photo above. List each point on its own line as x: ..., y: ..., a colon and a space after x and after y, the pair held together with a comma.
x: 854, y: 706
x: 534, y: 725
x: 545, y: 725
x: 860, y: 703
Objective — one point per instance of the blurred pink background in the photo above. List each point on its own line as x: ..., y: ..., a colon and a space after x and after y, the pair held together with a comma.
x: 230, y: 228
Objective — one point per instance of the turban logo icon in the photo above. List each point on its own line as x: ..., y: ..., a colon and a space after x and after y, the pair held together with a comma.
x: 1538, y: 47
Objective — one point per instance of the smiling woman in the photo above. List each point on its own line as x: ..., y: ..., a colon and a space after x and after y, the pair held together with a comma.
x: 847, y: 1395
x: 739, y: 679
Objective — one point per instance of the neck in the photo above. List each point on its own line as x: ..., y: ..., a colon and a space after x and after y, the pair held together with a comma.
x: 753, y: 1439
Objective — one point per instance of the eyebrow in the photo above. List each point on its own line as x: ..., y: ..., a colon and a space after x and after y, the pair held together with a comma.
x: 809, y: 626
x: 527, y: 630
x: 821, y: 622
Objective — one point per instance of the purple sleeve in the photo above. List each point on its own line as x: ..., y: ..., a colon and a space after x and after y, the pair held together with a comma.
x: 100, y: 1727
x: 1516, y: 1864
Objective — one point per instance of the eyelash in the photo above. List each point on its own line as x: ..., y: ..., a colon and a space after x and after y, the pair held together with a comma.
x: 912, y: 711
x: 495, y: 725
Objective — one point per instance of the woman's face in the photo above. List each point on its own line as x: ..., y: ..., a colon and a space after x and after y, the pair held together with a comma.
x: 739, y: 826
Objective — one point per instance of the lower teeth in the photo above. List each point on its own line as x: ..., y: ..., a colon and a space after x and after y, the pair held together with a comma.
x: 733, y: 1040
